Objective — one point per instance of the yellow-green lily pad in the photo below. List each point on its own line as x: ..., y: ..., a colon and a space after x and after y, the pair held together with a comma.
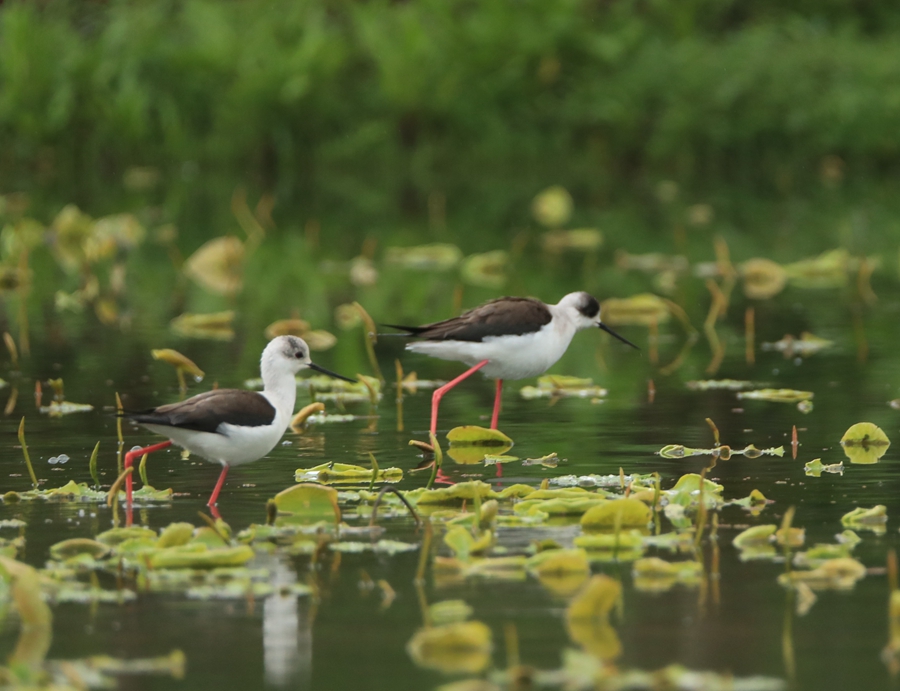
x: 865, y: 443
x: 200, y: 557
x: 475, y: 435
x: 310, y: 502
x: 625, y: 513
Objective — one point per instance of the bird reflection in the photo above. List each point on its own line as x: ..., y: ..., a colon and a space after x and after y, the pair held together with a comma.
x: 287, y: 633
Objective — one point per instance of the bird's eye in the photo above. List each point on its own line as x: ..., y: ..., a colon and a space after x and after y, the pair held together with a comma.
x: 299, y: 355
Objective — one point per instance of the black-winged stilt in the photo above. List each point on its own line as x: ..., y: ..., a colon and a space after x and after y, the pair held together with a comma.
x: 507, y: 338
x: 232, y: 426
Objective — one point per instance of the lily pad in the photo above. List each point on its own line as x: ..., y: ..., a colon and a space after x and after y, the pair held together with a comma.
x: 477, y: 436
x: 448, y: 611
x: 625, y: 513
x: 865, y: 443
x: 346, y: 472
x: 459, y: 648
x: 869, y: 519
x: 74, y: 547
x: 776, y: 395
x: 815, y: 468
x: 638, y: 310
x: 310, y: 502
x: 834, y: 574
x: 200, y: 557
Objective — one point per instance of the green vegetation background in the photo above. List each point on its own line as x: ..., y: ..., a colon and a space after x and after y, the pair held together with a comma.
x: 380, y: 116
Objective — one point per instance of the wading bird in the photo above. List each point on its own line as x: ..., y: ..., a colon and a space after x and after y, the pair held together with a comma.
x: 507, y: 338
x: 232, y: 426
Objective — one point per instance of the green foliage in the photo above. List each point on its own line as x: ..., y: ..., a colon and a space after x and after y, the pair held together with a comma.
x: 371, y: 107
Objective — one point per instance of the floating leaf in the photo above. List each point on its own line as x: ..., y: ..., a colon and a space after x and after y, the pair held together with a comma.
x: 552, y: 207
x: 777, y: 395
x: 638, y: 310
x: 754, y: 537
x: 719, y: 384
x: 178, y: 361
x: 870, y: 519
x: 435, y: 257
x: 558, y: 386
x: 807, y: 344
x: 287, y: 327
x: 200, y: 557
x: 310, y: 502
x: 625, y: 513
x: 828, y: 270
x: 834, y: 574
x: 815, y: 468
x: 345, y: 472
x: 448, y: 611
x: 652, y: 574
x: 217, y: 265
x: 458, y: 648
x: 487, y: 270
x: 579, y: 240
x: 596, y: 599
x: 763, y: 278
x: 78, y: 546
x: 175, y: 535
x: 458, y: 492
x: 215, y: 325
x: 865, y: 443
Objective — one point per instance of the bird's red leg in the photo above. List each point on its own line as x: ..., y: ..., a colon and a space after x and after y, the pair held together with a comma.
x: 496, y: 415
x: 439, y: 393
x: 129, y: 461
x: 215, y: 494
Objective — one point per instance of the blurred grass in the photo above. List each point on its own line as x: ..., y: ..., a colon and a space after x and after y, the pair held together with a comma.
x: 375, y: 113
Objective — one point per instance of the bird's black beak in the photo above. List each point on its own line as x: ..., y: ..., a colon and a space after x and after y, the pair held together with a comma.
x: 613, y: 333
x: 317, y: 368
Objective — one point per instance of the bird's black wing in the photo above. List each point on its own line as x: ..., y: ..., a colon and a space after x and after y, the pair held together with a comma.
x: 509, y: 316
x: 206, y: 411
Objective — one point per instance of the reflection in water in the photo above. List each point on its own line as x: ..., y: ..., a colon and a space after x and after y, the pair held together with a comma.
x: 287, y: 648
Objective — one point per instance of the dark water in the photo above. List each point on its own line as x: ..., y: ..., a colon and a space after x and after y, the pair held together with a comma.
x: 343, y: 638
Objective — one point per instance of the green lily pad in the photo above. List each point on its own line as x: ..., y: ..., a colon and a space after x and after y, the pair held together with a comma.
x: 815, y: 468
x: 459, y: 648
x: 309, y: 501
x: 865, y: 443
x: 569, y: 506
x: 870, y: 519
x: 755, y: 536
x: 626, y: 513
x: 834, y: 574
x: 559, y: 561
x: 448, y: 611
x: 200, y: 557
x: 346, y: 472
x: 175, y: 535
x: 626, y: 539
x: 68, y: 549
x: 116, y: 536
x: 479, y: 436
x: 460, y: 491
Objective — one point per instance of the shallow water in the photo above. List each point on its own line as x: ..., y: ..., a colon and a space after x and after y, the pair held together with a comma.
x: 344, y: 638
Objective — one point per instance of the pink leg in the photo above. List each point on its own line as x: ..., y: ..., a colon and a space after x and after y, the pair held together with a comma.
x: 496, y: 415
x: 129, y: 461
x: 439, y: 393
x: 215, y: 494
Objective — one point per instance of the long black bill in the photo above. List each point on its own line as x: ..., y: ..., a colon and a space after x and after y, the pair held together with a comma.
x: 613, y: 333
x: 317, y: 368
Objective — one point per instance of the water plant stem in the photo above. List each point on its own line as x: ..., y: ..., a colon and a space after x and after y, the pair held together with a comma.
x: 34, y: 481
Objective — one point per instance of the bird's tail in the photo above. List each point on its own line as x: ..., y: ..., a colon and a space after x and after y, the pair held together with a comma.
x: 409, y: 330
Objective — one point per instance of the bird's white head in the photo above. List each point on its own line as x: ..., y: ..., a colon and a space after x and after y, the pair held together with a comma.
x: 287, y: 355
x: 583, y: 310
